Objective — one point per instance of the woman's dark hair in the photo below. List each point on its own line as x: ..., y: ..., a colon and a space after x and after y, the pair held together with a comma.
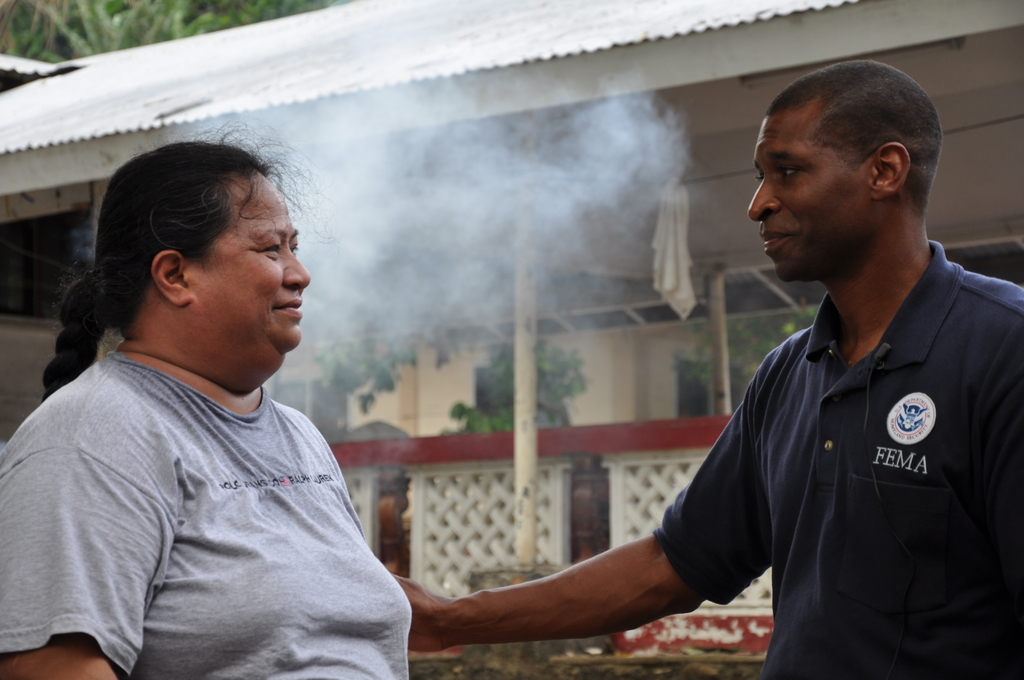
x: 175, y: 197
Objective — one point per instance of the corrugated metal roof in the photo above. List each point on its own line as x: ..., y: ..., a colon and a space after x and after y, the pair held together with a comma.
x: 24, y: 67
x: 365, y: 45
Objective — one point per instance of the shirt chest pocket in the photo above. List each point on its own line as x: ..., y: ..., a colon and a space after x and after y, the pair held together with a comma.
x: 875, y: 569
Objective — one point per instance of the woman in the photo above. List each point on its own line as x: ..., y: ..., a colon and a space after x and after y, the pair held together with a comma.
x: 160, y: 517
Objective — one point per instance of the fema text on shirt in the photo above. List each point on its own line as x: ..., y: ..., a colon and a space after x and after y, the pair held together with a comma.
x: 897, y: 459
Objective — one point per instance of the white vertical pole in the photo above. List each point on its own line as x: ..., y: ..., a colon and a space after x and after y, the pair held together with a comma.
x: 719, y: 343
x: 525, y: 344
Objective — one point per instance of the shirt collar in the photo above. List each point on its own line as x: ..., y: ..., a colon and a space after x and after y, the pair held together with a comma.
x: 911, y: 332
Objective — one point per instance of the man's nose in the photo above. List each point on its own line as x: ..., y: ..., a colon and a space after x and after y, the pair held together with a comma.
x: 762, y: 204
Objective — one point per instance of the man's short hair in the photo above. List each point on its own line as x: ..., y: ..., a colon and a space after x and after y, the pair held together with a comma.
x: 865, y: 105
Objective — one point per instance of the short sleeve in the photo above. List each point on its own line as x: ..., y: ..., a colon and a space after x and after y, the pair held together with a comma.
x: 717, y: 533
x: 82, y: 550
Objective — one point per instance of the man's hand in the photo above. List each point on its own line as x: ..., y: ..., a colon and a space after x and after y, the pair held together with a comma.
x: 426, y: 607
x: 617, y: 590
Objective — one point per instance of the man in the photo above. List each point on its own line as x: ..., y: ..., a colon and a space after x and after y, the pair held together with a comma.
x: 873, y: 461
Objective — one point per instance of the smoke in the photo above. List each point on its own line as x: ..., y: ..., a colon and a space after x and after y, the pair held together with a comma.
x: 415, y: 229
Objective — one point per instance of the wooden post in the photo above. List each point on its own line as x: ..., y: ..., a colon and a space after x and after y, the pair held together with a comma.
x: 393, y: 502
x: 525, y: 357
x: 589, y: 507
x: 720, y: 343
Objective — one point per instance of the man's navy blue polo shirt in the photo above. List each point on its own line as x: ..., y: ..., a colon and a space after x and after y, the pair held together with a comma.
x: 789, y: 485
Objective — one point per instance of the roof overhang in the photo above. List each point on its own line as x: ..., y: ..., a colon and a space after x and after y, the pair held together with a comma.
x: 48, y: 125
x: 20, y: 66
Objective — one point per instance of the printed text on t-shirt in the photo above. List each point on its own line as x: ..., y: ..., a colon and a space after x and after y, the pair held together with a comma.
x: 283, y: 480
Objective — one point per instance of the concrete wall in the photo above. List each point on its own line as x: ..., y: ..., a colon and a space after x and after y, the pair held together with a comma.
x: 608, y: 365
x: 656, y: 348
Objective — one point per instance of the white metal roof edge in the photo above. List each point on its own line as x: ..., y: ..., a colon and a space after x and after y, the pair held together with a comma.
x: 500, y: 56
x: 26, y: 67
x: 724, y: 19
x: 707, y: 15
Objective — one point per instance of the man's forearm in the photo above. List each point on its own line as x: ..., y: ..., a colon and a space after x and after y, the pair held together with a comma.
x: 617, y: 590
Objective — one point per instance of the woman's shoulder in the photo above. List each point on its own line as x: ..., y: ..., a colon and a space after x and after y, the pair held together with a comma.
x: 101, y: 414
x: 58, y: 420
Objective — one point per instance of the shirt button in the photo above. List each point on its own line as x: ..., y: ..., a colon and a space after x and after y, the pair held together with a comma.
x: 836, y: 397
x: 828, y: 445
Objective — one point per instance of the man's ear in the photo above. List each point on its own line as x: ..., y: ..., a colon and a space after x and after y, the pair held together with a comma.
x: 169, y: 272
x: 890, y: 165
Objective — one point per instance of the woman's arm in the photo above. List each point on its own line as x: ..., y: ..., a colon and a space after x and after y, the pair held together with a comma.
x: 65, y: 657
x: 617, y: 590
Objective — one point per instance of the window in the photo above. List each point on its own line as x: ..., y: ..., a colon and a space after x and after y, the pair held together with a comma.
x: 488, y: 393
x: 35, y: 254
x: 693, y: 397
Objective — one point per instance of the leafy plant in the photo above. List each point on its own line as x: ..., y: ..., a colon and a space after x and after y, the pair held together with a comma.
x: 56, y: 30
x: 751, y: 338
x: 559, y: 379
x: 473, y: 419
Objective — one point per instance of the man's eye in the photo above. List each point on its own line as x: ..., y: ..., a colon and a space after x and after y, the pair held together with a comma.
x: 759, y: 177
x: 786, y: 172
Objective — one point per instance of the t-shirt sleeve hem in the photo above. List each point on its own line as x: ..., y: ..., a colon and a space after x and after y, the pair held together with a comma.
x: 118, y: 652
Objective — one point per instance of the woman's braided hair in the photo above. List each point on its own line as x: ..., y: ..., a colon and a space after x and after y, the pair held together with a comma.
x: 175, y: 197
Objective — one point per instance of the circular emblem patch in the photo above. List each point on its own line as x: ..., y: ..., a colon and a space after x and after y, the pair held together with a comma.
x: 912, y: 418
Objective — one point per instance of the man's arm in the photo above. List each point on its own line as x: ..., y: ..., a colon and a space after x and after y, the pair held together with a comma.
x: 617, y: 590
x: 65, y: 657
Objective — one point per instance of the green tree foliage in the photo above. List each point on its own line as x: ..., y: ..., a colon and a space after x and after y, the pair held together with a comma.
x: 56, y: 30
x: 559, y: 379
x: 472, y: 419
x: 751, y: 338
x: 363, y: 368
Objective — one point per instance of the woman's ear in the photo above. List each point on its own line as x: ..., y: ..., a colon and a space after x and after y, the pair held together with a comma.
x: 890, y: 165
x: 169, y: 271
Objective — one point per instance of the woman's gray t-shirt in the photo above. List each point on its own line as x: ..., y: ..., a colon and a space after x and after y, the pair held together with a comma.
x: 189, y: 541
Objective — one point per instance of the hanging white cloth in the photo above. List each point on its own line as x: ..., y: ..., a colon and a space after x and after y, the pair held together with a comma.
x: 672, y: 251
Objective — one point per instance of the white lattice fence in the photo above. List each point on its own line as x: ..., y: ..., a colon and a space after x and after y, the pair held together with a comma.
x: 462, y: 520
x: 642, y: 486
x: 362, y: 489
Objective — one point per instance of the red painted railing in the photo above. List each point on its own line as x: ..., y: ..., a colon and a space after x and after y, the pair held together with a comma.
x: 652, y: 435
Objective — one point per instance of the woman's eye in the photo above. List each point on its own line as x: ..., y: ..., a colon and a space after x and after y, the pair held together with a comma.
x: 760, y: 177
